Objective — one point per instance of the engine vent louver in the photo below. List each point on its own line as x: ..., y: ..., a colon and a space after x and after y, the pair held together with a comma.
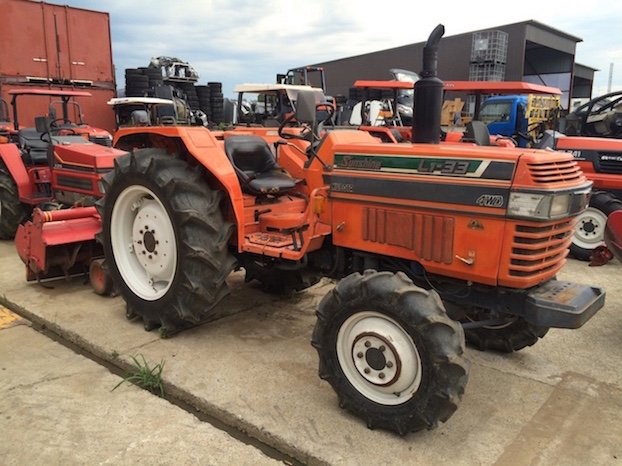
x: 539, y: 249
x: 554, y: 172
x: 431, y: 237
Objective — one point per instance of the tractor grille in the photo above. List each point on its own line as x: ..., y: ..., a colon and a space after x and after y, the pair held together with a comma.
x: 538, y: 249
x: 554, y: 172
x: 101, y: 140
x: 610, y: 163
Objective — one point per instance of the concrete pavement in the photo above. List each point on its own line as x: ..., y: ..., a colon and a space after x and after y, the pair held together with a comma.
x: 57, y: 407
x: 558, y: 402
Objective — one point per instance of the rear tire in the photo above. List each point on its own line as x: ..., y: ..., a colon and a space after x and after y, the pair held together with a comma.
x: 590, y: 230
x: 12, y: 211
x: 392, y: 355
x: 165, y: 240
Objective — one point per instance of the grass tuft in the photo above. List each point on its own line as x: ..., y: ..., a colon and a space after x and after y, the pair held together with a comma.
x: 149, y: 378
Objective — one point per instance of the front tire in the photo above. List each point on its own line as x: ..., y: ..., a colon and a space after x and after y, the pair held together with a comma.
x: 590, y: 230
x: 165, y: 240
x: 390, y: 352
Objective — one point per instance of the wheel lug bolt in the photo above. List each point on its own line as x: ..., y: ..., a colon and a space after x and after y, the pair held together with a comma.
x: 359, y: 355
x: 144, y: 252
x: 389, y: 364
x: 139, y: 242
x: 382, y: 348
x: 150, y: 256
x: 367, y: 344
x: 381, y: 375
x: 366, y: 370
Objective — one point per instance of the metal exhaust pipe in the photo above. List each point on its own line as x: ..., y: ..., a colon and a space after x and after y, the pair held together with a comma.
x: 428, y: 101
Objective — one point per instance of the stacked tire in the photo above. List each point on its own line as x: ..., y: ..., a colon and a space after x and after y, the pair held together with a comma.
x: 136, y: 83
x: 155, y: 77
x: 203, y: 93
x: 217, y: 102
x: 191, y: 94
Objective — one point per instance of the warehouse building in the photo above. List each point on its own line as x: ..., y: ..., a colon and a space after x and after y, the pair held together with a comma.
x: 527, y: 51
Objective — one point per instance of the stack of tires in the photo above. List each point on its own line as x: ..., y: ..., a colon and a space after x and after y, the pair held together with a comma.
x: 136, y: 83
x: 217, y: 102
x: 191, y: 93
x: 142, y: 82
x: 154, y: 75
x: 203, y: 94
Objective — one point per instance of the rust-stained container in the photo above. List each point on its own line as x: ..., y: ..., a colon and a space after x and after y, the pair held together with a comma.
x: 57, y: 46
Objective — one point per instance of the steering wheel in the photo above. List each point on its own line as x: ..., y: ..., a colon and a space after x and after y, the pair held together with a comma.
x: 326, y: 106
x: 47, y: 140
x: 286, y: 122
x: 57, y: 129
x: 56, y: 120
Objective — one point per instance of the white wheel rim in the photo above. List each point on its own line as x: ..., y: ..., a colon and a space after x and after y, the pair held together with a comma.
x: 590, y: 229
x: 143, y: 243
x: 379, y: 358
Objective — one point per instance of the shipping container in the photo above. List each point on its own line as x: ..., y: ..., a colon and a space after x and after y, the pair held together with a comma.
x: 57, y: 47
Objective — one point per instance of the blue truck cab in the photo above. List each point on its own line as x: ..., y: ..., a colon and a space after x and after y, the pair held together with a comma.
x: 519, y: 116
x: 506, y: 115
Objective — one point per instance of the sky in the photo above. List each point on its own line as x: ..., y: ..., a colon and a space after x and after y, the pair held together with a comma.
x: 241, y: 41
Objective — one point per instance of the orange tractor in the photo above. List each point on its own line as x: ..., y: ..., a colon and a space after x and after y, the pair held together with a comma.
x: 433, y: 243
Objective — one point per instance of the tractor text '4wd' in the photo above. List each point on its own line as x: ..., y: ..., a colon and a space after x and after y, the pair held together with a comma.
x: 432, y: 243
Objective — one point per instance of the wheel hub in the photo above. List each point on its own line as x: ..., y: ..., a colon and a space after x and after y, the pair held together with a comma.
x: 376, y: 359
x: 379, y: 357
x: 589, y: 227
x: 152, y: 240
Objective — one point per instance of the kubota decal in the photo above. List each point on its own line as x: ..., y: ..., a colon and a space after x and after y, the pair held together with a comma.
x: 426, y: 165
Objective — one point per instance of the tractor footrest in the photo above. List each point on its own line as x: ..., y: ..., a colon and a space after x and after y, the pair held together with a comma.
x: 563, y: 304
x: 272, y: 239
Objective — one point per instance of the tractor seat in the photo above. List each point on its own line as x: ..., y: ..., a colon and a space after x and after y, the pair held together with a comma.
x: 256, y: 167
x: 37, y: 150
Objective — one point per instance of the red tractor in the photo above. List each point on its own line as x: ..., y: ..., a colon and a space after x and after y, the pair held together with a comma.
x: 433, y: 244
x: 38, y: 164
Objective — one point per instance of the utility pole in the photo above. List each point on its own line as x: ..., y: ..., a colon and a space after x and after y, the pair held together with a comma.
x: 610, y: 77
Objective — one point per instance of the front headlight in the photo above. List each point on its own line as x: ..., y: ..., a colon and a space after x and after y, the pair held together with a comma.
x: 542, y: 206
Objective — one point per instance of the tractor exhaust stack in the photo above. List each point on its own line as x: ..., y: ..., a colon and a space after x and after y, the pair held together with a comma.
x: 428, y: 101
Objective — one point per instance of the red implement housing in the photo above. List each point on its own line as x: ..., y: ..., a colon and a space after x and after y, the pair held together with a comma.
x: 58, y: 243
x: 613, y: 234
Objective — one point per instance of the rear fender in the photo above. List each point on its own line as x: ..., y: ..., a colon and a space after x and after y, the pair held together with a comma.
x: 206, y: 150
x: 12, y: 160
